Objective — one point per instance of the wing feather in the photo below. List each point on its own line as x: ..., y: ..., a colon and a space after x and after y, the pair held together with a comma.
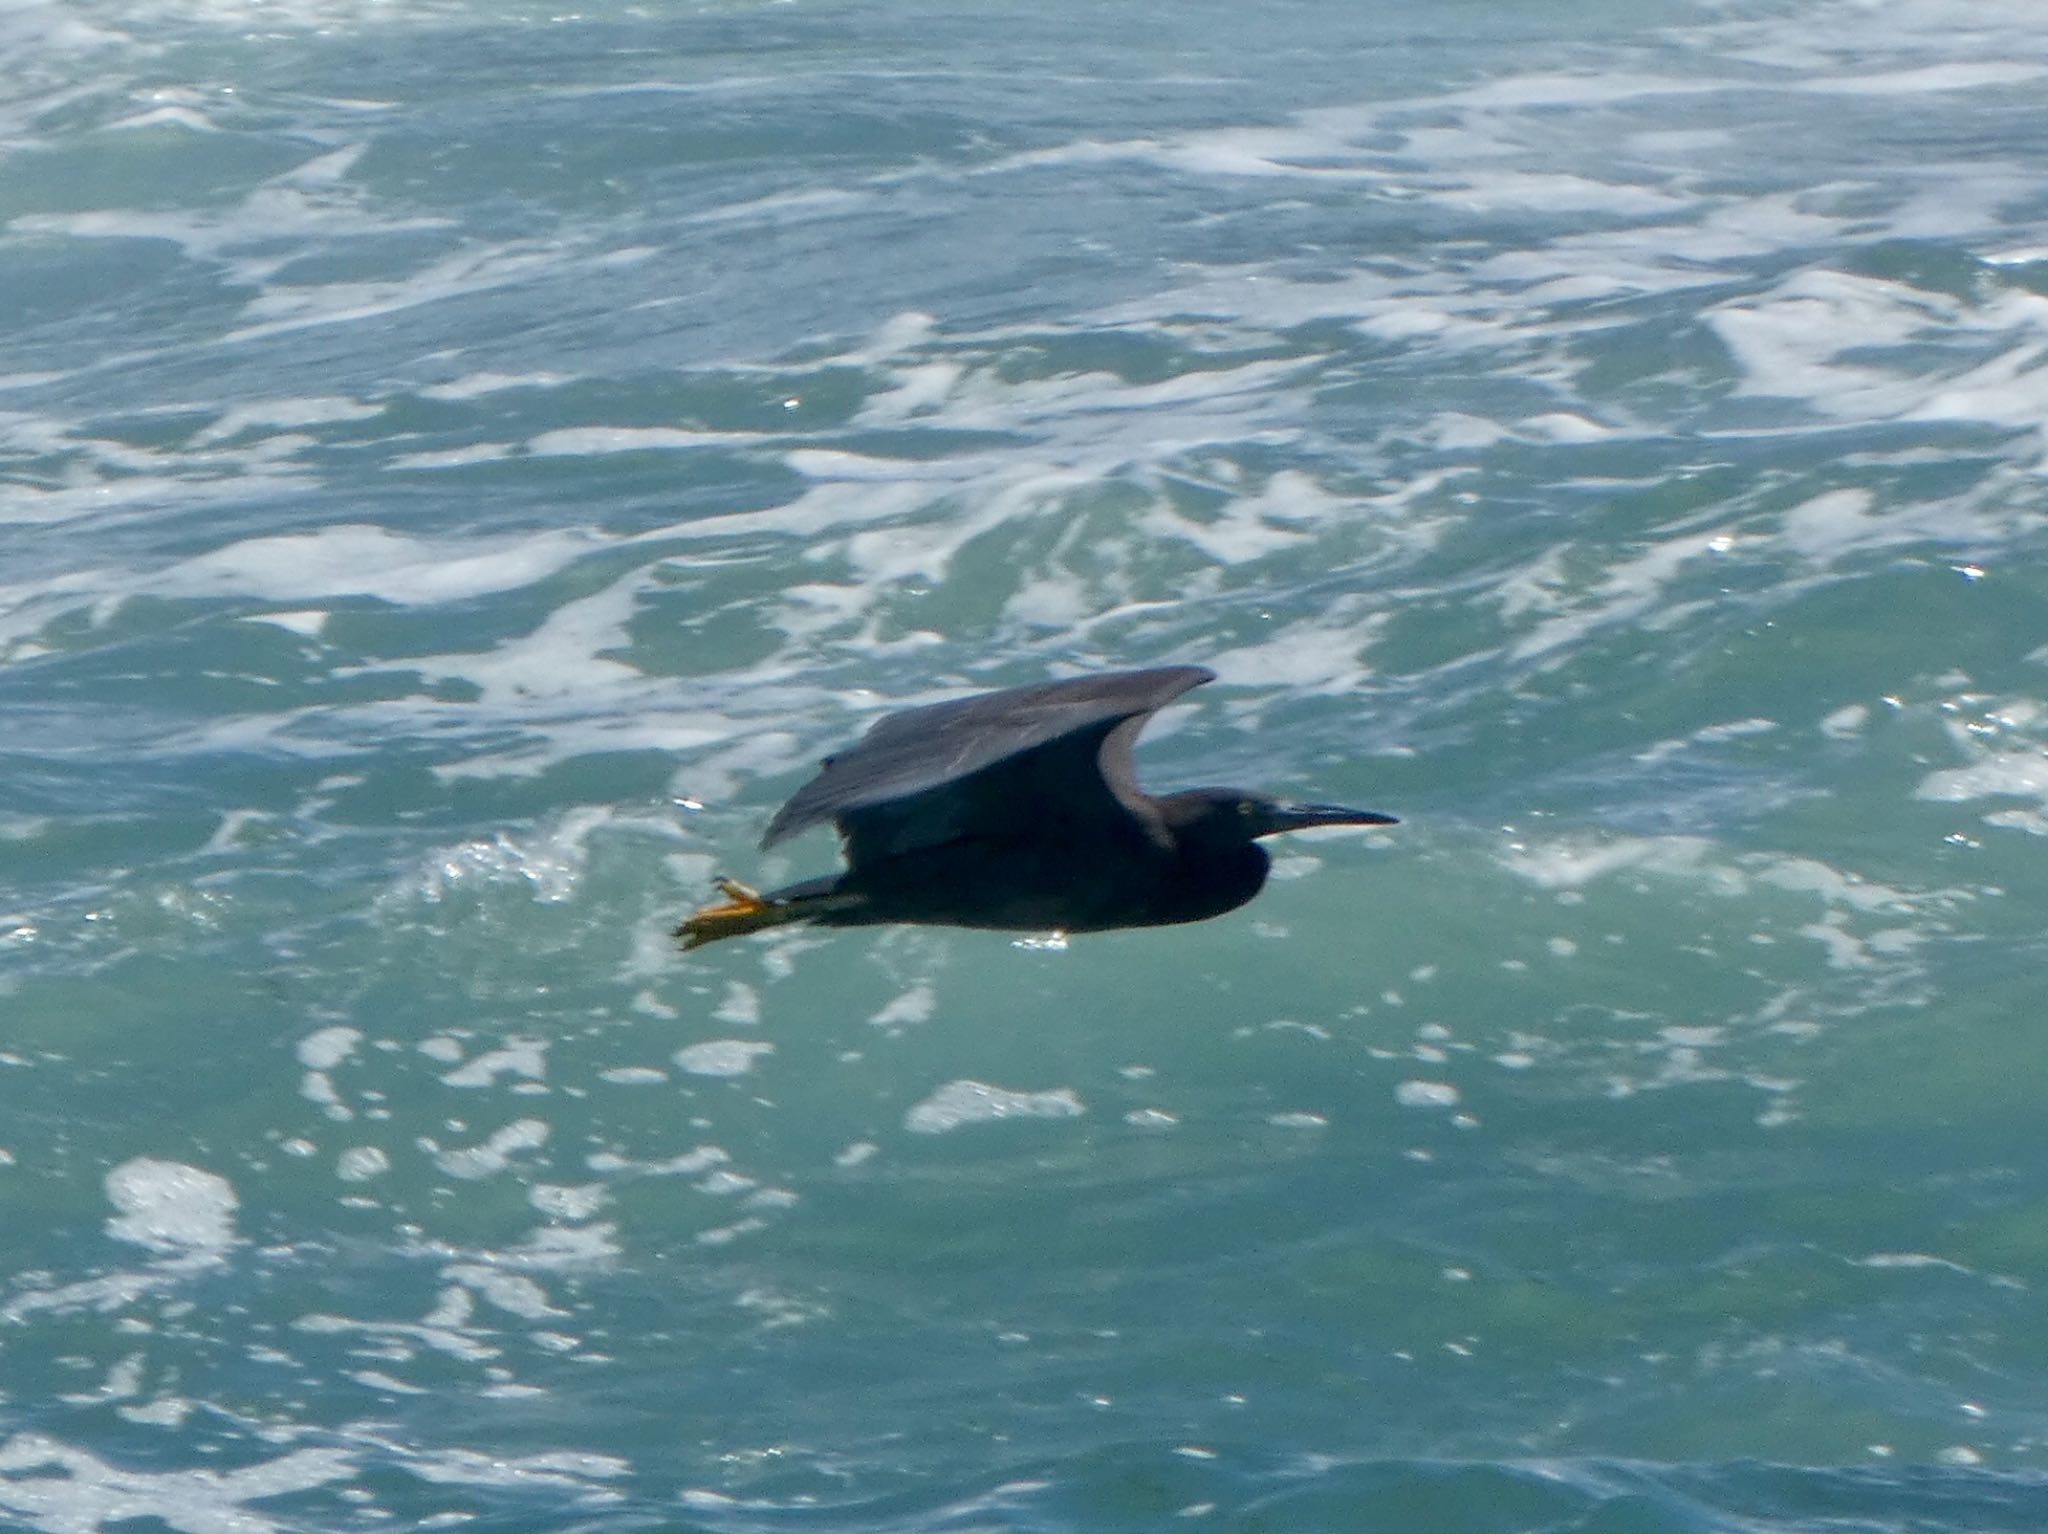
x: 925, y: 775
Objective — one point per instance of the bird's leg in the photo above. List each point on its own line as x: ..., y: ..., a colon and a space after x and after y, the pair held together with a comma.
x: 740, y: 895
x: 746, y: 910
x: 743, y: 910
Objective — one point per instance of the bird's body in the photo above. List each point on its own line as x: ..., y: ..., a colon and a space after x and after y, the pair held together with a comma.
x: 1029, y: 885
x: 1020, y: 811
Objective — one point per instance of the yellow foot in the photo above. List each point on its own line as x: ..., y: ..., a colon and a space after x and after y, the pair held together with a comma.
x: 744, y: 911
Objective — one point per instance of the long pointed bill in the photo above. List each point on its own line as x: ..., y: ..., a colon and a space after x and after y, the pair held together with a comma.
x: 1301, y: 817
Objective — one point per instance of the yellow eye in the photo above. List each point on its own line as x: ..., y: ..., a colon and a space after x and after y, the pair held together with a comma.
x: 1247, y: 808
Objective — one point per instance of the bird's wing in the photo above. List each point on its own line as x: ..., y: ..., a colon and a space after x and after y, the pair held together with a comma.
x: 1057, y: 751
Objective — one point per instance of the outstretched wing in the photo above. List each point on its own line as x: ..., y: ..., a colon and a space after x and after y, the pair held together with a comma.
x: 1056, y: 755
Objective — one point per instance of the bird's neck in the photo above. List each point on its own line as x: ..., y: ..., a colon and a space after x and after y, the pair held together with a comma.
x: 1210, y: 878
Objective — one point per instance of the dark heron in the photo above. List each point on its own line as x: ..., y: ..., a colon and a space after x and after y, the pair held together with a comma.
x: 1020, y: 810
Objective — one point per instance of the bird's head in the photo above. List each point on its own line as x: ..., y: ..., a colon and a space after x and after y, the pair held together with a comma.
x: 1232, y: 817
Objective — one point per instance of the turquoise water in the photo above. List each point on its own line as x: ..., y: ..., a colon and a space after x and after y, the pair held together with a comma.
x: 464, y: 461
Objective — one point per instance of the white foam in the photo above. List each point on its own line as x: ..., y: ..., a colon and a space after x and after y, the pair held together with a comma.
x: 473, y: 268
x: 523, y: 1058
x: 1836, y: 888
x: 514, y: 1293
x: 565, y: 1469
x: 633, y: 1076
x: 251, y: 241
x: 2033, y: 822
x: 173, y: 1209
x: 377, y: 1379
x: 321, y: 1052
x: 1790, y: 342
x: 741, y: 1005
x: 1426, y: 1094
x: 914, y: 1005
x: 357, y: 560
x: 688, y: 1164
x: 1845, y: 950
x: 1246, y: 527
x: 1999, y: 774
x: 551, y: 863
x: 568, y: 1247
x: 1565, y: 426
x: 783, y: 209
x: 494, y: 1154
x: 1634, y: 591
x: 107, y: 479
x: 1863, y: 924
x: 123, y: 1382
x: 573, y: 1202
x: 959, y: 1103
x: 1571, y: 864
x: 2008, y: 389
x: 1846, y: 722
x: 451, y: 458
x: 442, y: 1330
x: 47, y: 1484
x: 561, y: 659
x: 1298, y: 1119
x: 285, y: 412
x: 1829, y: 523
x: 1324, y: 655
x: 328, y: 1047
x: 1812, y: 338
x: 308, y: 621
x: 190, y: 118
x: 476, y: 385
x: 165, y: 1411
x: 1569, y: 88
x: 361, y: 1163
x: 722, y: 1057
x: 592, y: 441
x: 1555, y: 192
x: 1957, y: 76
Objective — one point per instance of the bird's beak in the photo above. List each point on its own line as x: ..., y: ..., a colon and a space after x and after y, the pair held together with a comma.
x: 1300, y: 817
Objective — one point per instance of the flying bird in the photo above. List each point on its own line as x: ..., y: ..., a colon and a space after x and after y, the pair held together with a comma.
x: 1020, y: 811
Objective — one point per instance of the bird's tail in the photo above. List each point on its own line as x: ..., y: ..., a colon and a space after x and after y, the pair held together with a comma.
x: 744, y: 910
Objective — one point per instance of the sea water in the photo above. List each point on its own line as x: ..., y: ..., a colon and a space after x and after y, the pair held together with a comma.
x: 465, y: 460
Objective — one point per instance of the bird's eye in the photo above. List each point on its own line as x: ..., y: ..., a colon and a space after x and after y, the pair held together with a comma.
x: 1247, y: 808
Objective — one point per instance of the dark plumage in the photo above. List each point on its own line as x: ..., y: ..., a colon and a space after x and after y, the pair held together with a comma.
x: 1020, y: 810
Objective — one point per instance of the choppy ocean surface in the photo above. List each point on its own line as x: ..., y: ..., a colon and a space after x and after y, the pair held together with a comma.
x: 464, y: 460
